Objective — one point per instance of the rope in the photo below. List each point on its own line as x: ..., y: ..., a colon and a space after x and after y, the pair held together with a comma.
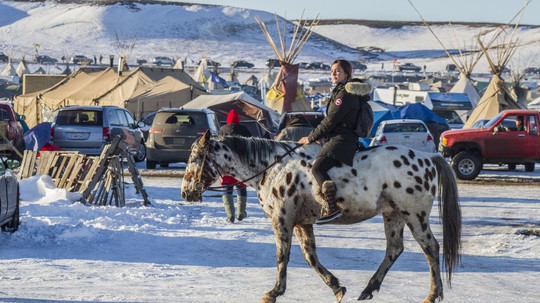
x: 278, y: 160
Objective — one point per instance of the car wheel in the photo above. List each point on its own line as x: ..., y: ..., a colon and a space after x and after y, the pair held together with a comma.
x: 150, y: 164
x: 511, y: 166
x: 529, y: 167
x: 141, y: 153
x: 13, y: 225
x: 466, y: 165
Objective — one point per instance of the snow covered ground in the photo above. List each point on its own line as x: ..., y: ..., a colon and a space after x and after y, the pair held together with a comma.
x: 185, y: 252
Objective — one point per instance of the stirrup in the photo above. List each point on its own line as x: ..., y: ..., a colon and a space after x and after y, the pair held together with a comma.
x: 329, y: 218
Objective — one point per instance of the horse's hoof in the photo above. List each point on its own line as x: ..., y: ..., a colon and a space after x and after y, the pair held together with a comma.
x: 340, y: 293
x: 268, y: 299
x: 365, y: 296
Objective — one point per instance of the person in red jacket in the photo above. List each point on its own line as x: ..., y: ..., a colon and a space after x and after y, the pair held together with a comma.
x: 234, y: 128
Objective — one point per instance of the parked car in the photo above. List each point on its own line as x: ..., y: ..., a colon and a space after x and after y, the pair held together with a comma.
x: 88, y: 129
x: 173, y: 132
x: 9, y: 200
x: 494, y: 143
x: 405, y: 67
x: 11, y: 128
x: 80, y: 59
x: 407, y: 132
x: 211, y: 63
x: 318, y: 65
x: 44, y: 59
x: 302, y: 65
x: 314, y: 118
x: 146, y: 123
x: 163, y: 61
x: 141, y: 61
x: 532, y: 70
x: 358, y: 66
x: 242, y: 63
x: 271, y: 63
x: 3, y: 57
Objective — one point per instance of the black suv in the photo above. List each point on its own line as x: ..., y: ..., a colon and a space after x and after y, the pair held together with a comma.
x: 314, y: 118
x: 173, y: 132
x: 242, y: 63
x: 3, y: 57
x: 271, y: 63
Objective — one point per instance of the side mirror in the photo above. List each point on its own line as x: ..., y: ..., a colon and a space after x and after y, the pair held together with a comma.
x: 140, y: 124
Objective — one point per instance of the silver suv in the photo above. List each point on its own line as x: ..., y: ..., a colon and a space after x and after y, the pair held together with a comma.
x: 88, y: 129
x: 173, y: 132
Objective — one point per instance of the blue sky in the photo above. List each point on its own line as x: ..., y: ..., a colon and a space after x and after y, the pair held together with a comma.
x: 500, y: 11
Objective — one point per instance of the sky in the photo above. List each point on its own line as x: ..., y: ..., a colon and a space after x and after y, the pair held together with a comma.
x: 498, y: 11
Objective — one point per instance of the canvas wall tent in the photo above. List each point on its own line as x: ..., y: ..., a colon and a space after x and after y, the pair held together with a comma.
x: 89, y: 86
x: 247, y: 107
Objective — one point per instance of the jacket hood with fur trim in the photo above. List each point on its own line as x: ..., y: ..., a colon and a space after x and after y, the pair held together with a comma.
x: 357, y: 87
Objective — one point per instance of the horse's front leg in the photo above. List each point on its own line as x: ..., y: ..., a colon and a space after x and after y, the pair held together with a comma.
x: 283, y: 233
x: 306, y: 237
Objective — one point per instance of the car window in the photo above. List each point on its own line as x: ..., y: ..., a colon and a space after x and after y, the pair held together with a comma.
x: 168, y: 118
x: 80, y: 117
x: 405, y: 128
x: 149, y: 119
x: 129, y: 118
x: 5, y: 114
x: 113, y: 118
x: 122, y: 117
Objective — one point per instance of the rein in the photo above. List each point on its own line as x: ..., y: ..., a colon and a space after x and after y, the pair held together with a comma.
x: 199, y: 186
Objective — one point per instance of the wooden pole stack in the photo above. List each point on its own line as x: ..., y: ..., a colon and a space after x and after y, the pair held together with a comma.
x: 100, y: 179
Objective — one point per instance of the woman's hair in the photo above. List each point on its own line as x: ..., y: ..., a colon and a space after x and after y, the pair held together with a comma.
x: 346, y: 66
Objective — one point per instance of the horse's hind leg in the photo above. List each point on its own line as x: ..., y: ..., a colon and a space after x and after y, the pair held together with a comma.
x: 305, y: 236
x: 283, y: 234
x: 393, y: 228
x: 421, y: 232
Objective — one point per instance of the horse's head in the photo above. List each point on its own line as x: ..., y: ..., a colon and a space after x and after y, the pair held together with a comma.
x: 199, y: 173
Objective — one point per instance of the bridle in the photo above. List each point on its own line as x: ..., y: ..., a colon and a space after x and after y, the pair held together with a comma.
x: 199, y: 187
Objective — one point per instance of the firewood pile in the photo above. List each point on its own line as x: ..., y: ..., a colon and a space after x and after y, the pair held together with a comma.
x: 100, y: 179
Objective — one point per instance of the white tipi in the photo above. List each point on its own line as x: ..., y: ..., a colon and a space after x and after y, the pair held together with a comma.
x: 497, y: 96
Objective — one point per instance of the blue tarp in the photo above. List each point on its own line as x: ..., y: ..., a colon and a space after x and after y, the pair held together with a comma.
x: 413, y: 111
x: 36, y: 137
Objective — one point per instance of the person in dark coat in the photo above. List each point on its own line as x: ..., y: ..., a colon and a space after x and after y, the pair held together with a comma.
x: 297, y: 127
x: 234, y: 128
x: 336, y: 133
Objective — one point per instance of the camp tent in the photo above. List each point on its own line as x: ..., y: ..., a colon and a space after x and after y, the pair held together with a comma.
x: 141, y: 90
x: 285, y: 95
x: 247, y: 107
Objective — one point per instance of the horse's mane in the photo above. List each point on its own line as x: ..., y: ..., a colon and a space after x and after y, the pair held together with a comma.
x: 254, y: 148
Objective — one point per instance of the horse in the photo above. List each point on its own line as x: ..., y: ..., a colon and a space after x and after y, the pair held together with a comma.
x: 399, y: 182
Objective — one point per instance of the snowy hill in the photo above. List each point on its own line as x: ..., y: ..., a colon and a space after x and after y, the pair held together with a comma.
x: 223, y: 34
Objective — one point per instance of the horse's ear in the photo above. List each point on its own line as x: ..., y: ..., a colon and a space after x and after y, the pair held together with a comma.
x: 205, y: 138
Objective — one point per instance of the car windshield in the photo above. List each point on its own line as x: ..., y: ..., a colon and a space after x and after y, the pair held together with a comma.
x: 492, y: 121
x: 405, y: 128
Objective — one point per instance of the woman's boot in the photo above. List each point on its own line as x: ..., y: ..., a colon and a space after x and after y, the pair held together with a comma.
x: 241, y: 207
x: 228, y: 203
x: 332, y: 212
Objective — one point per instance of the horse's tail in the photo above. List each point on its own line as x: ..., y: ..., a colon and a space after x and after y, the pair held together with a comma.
x: 450, y: 213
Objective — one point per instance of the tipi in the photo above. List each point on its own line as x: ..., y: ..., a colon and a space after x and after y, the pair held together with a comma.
x: 497, y: 96
x: 285, y: 95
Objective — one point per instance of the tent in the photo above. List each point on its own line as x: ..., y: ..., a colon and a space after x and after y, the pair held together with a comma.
x: 285, y: 95
x: 141, y: 90
x: 247, y: 107
x: 22, y: 68
x: 497, y: 96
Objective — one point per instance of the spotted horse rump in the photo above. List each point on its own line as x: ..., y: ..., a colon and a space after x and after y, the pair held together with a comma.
x: 395, y: 181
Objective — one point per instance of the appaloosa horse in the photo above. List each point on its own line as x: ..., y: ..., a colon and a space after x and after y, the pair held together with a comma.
x: 396, y: 181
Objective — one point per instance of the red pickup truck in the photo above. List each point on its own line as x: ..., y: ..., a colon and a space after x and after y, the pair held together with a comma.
x: 509, y: 138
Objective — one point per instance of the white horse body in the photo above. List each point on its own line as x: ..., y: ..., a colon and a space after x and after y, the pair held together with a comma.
x: 396, y: 181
